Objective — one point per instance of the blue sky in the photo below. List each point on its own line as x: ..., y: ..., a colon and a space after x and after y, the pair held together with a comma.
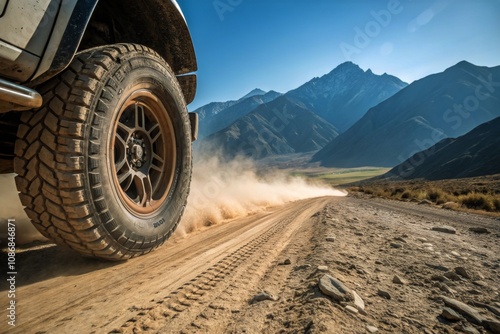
x: 281, y: 44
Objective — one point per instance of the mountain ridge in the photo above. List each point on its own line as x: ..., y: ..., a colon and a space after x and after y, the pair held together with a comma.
x: 231, y: 113
x: 341, y: 97
x: 417, y: 117
x: 474, y: 154
x: 346, y: 93
x: 278, y: 127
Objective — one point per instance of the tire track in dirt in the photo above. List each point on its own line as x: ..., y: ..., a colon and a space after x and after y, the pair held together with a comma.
x: 183, y: 278
x: 278, y: 280
x: 190, y: 308
x: 204, y: 283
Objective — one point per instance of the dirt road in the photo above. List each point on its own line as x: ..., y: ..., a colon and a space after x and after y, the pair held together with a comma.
x: 207, y: 282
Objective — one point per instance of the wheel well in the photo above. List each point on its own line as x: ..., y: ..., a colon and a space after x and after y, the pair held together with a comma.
x: 8, y: 123
x: 154, y: 23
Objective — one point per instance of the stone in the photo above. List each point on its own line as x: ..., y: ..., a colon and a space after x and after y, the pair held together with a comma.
x: 361, y: 271
x: 334, y: 288
x: 450, y: 206
x: 263, y: 296
x: 450, y: 314
x: 398, y: 280
x: 351, y: 309
x: 462, y: 272
x: 358, y: 301
x: 330, y: 239
x: 480, y: 283
x: 447, y: 289
x: 493, y: 309
x: 302, y: 267
x: 425, y: 202
x: 439, y: 278
x: 467, y: 329
x: 401, y: 239
x: 492, y: 325
x: 384, y: 294
x: 452, y: 275
x: 479, y: 230
x: 287, y: 262
x: 421, y: 239
x: 371, y: 329
x: 437, y: 267
x: 455, y: 254
x: 467, y: 311
x: 396, y: 245
x: 445, y: 229
x: 323, y: 268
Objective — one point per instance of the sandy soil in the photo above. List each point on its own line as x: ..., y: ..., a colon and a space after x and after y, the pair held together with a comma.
x: 212, y: 281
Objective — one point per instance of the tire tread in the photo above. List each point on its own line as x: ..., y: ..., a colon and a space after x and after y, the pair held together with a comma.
x: 51, y: 162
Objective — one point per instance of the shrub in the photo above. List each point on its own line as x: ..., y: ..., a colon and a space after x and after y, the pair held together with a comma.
x: 477, y: 202
x: 420, y: 195
x: 368, y: 191
x: 466, y: 192
x: 440, y: 196
x: 496, y: 203
x: 436, y: 194
x: 381, y: 192
x: 397, y: 191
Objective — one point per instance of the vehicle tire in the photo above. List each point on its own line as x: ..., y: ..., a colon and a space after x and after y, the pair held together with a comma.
x: 104, y: 166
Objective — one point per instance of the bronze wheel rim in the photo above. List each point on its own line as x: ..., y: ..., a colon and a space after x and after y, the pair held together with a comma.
x: 143, y: 155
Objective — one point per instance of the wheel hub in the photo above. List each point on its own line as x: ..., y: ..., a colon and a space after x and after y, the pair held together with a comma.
x: 137, y: 151
x: 144, y: 153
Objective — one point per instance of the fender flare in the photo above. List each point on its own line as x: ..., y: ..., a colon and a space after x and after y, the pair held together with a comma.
x: 170, y: 38
x: 63, y: 43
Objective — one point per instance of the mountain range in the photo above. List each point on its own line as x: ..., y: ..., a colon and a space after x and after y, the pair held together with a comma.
x: 224, y: 115
x: 278, y: 127
x: 354, y: 118
x: 337, y: 98
x: 439, y: 106
x: 344, y: 95
x: 474, y: 154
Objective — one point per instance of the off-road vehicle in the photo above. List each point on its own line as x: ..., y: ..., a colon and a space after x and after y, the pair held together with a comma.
x: 94, y: 122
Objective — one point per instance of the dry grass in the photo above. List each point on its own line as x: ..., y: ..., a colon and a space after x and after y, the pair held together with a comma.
x: 474, y: 194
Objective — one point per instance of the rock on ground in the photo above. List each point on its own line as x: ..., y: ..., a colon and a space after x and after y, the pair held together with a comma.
x: 450, y: 314
x: 334, y: 288
x: 445, y: 229
x: 263, y: 296
x: 469, y: 312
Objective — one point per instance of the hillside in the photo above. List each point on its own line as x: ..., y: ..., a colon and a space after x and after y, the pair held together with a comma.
x: 345, y: 94
x: 233, y: 112
x: 473, y: 154
x: 447, y: 104
x: 278, y: 127
x: 340, y: 97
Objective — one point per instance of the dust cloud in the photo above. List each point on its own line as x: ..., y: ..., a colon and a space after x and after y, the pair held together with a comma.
x: 222, y: 190
x: 11, y: 208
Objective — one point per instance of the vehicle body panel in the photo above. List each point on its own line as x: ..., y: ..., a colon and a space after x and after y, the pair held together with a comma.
x: 39, y: 38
